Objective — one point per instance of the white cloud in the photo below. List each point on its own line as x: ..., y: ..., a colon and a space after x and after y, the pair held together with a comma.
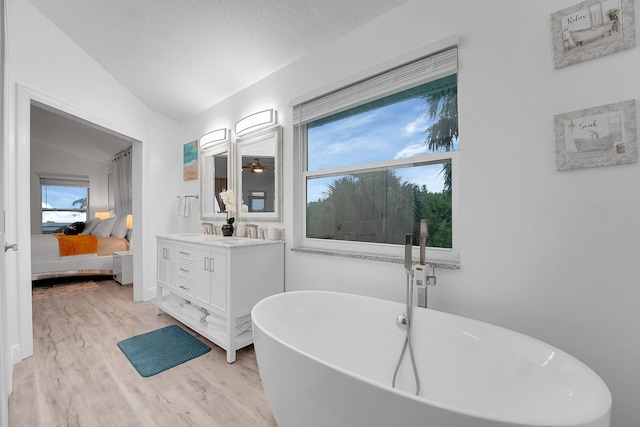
x: 419, y: 125
x: 429, y: 176
x: 63, y: 217
x: 411, y: 150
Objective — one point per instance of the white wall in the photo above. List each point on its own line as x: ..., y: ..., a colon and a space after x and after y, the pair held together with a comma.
x: 551, y: 254
x: 49, y: 161
x: 45, y: 65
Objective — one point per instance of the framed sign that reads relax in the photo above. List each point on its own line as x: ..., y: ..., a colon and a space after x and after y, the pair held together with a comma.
x: 592, y: 29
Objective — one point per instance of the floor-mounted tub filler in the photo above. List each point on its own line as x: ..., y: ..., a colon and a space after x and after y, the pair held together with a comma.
x: 327, y: 359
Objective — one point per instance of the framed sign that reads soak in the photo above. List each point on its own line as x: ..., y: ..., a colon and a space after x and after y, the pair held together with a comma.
x: 598, y: 136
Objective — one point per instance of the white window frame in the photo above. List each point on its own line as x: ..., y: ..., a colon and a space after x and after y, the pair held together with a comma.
x: 65, y: 181
x: 391, y: 252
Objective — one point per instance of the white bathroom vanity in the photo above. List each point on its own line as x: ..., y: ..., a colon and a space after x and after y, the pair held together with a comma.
x: 210, y: 283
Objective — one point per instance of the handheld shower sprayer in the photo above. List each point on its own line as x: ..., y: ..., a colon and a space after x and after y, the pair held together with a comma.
x: 408, y: 263
x: 424, y: 233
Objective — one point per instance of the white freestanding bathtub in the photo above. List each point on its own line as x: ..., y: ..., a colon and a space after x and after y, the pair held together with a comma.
x: 327, y: 359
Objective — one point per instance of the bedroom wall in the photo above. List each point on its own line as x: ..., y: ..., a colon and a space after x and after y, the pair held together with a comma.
x: 44, y: 63
x: 551, y: 254
x: 48, y: 160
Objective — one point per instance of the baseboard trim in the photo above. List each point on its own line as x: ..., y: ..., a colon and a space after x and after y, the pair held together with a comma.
x: 16, y: 353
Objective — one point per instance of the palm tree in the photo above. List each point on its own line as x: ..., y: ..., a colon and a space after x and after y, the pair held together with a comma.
x: 443, y: 134
x: 82, y: 202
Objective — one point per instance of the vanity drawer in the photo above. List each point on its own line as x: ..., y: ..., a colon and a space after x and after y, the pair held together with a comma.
x: 186, y: 254
x: 186, y: 270
x: 185, y: 285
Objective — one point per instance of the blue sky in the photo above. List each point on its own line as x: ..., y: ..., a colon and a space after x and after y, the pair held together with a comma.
x: 391, y: 132
x: 62, y: 198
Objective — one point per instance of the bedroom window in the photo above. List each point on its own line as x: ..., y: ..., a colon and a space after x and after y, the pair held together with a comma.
x: 378, y: 156
x: 64, y: 201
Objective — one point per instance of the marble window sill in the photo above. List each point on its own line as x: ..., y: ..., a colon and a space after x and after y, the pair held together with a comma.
x: 445, y: 265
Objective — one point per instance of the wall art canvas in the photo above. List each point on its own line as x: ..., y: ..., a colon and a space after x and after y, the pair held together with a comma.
x: 592, y: 29
x: 598, y: 136
x: 190, y: 161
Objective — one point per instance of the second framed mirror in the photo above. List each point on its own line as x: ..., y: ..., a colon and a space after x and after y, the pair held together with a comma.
x: 259, y: 175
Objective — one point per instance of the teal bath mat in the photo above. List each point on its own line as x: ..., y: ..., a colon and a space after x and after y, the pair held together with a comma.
x: 159, y: 350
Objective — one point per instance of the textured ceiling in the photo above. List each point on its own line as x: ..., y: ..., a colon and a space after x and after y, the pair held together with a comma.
x: 182, y: 56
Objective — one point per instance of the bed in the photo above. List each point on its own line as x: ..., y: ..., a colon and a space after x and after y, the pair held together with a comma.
x: 89, y: 253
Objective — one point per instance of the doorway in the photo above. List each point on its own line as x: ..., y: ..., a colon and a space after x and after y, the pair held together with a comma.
x: 25, y: 99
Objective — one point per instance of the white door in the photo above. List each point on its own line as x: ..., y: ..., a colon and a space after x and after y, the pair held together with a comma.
x: 5, y: 362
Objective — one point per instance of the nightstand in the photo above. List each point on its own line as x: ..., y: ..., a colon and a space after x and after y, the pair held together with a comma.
x: 123, y: 267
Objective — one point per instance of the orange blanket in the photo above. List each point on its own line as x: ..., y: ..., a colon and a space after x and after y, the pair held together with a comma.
x: 76, y: 245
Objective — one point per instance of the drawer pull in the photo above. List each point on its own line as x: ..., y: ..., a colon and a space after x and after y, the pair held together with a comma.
x: 184, y: 287
x: 209, y: 264
x: 185, y: 253
x: 184, y: 270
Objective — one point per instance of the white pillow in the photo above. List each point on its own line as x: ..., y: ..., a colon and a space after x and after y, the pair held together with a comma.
x: 104, y: 228
x: 90, y: 225
x: 120, y: 227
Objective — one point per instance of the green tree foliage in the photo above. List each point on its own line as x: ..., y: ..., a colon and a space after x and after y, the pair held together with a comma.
x: 379, y: 207
x: 369, y: 207
x: 436, y: 209
x: 443, y: 134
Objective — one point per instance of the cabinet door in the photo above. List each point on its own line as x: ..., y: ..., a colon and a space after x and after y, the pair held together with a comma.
x: 166, y: 263
x: 211, y: 283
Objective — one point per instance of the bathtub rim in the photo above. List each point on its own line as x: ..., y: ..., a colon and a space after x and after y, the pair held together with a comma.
x: 568, y: 422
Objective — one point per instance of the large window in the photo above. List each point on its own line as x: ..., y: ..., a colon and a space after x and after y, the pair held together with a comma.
x: 371, y: 171
x: 64, y: 201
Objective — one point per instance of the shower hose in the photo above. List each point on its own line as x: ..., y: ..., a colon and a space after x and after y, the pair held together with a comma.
x: 407, y: 339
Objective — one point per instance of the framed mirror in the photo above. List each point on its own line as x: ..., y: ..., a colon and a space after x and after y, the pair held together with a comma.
x: 259, y: 175
x: 216, y: 176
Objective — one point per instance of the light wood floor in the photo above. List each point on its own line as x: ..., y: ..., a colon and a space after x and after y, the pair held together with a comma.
x: 78, y: 376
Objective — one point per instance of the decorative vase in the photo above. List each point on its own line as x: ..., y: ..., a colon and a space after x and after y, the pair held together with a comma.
x: 227, y: 230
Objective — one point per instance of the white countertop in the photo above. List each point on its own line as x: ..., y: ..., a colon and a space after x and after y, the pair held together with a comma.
x: 217, y: 240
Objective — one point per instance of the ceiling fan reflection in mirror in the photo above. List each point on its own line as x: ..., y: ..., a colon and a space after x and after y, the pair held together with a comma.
x: 255, y: 167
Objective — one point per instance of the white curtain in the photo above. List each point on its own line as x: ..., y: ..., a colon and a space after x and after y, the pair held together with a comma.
x: 122, y: 190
